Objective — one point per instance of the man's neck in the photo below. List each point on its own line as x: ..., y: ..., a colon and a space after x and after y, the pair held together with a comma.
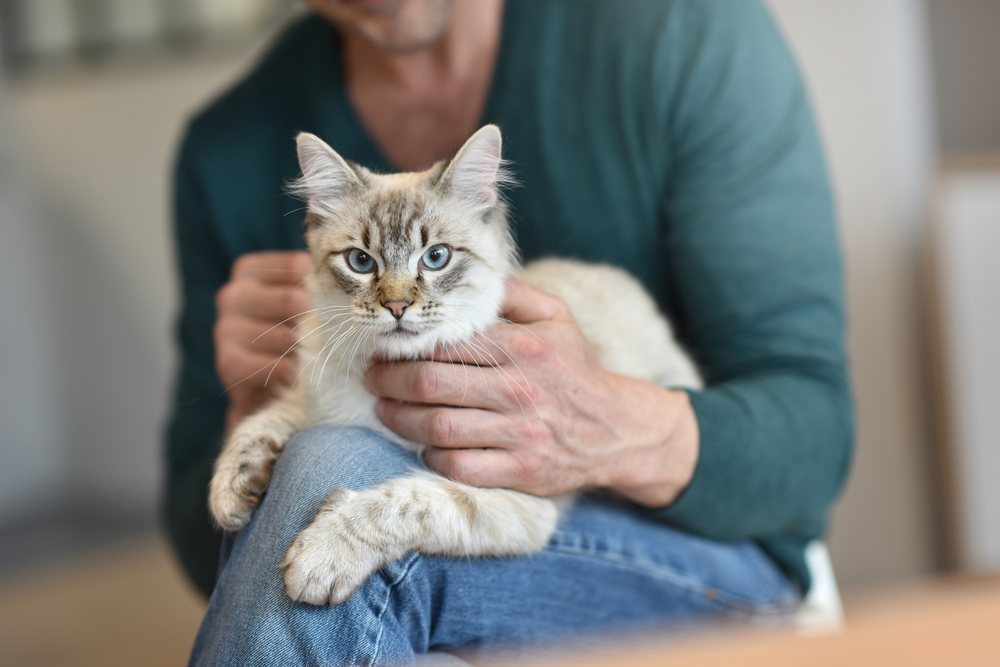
x: 469, y: 43
x: 420, y: 107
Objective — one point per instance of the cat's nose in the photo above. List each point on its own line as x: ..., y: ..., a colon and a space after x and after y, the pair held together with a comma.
x: 397, y: 307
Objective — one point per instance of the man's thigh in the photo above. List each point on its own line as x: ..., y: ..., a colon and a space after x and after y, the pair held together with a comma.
x: 607, y: 568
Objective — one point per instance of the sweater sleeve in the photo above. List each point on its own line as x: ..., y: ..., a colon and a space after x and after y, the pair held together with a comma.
x: 196, y: 423
x: 756, y: 278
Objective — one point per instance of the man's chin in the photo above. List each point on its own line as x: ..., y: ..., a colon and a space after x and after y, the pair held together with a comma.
x: 398, y: 27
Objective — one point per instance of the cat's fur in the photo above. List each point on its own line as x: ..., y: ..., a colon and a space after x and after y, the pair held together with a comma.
x: 395, y: 219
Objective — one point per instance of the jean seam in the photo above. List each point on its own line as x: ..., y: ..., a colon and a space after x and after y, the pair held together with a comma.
x: 783, y: 605
x: 385, y: 602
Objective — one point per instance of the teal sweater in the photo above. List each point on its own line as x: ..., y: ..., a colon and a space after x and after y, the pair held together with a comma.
x: 672, y: 138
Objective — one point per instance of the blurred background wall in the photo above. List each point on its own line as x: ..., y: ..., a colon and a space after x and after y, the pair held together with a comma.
x: 89, y: 293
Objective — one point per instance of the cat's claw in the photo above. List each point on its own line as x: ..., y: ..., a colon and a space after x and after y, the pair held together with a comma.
x: 232, y: 509
x: 328, y: 562
x: 238, y: 485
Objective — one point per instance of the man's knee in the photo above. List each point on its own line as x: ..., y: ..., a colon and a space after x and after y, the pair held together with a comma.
x: 328, y: 456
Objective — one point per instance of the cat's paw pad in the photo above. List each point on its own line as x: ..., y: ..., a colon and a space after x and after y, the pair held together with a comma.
x: 332, y: 558
x: 239, y: 482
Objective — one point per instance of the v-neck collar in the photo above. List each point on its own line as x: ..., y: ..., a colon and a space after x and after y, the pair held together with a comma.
x: 338, y: 117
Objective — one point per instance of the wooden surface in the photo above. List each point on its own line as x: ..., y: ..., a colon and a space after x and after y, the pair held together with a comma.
x: 948, y: 623
x: 126, y: 606
x: 129, y: 606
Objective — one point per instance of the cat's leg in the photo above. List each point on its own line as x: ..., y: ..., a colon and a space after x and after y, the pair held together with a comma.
x: 358, y: 532
x: 243, y: 468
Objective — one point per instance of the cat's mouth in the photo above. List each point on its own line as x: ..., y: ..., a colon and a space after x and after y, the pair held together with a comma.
x: 400, y: 330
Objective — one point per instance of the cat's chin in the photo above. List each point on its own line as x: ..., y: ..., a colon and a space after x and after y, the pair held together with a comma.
x: 405, y: 344
x: 408, y: 344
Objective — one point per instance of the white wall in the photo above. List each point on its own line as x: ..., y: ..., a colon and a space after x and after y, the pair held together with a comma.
x: 99, y: 148
x: 866, y: 64
x: 33, y: 464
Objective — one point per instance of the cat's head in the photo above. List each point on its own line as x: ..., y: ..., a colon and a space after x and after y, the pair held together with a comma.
x: 415, y: 260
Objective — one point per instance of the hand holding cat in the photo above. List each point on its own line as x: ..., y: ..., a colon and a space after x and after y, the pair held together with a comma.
x: 530, y: 408
x: 254, y: 327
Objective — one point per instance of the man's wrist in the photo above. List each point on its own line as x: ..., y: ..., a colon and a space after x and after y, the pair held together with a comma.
x: 665, y: 455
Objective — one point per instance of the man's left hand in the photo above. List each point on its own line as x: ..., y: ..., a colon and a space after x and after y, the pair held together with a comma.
x: 527, y: 406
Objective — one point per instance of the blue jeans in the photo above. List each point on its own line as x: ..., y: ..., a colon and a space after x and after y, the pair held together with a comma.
x: 607, y: 569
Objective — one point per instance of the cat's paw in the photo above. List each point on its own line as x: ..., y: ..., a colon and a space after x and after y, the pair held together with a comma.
x: 241, y: 476
x: 331, y: 558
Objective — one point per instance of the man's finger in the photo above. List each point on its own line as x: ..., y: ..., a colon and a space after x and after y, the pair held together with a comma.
x: 524, y: 304
x: 264, y: 301
x: 257, y: 370
x: 496, y: 468
x: 275, y: 268
x: 491, y: 348
x: 257, y: 335
x: 458, y: 385
x: 447, y: 427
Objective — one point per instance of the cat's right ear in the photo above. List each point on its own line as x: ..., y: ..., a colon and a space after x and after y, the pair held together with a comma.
x: 326, y: 177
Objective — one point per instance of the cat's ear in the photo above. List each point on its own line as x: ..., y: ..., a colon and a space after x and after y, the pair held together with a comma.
x: 326, y: 177
x: 476, y: 172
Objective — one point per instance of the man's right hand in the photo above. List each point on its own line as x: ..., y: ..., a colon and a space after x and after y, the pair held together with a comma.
x: 265, y: 292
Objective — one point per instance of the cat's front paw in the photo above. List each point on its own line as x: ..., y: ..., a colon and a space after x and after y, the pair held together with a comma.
x: 331, y: 558
x: 241, y: 476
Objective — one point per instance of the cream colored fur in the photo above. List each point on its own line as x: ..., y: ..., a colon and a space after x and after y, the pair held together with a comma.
x: 457, y: 204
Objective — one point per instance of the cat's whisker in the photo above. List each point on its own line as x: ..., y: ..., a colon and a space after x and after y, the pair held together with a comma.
x: 508, y: 379
x: 296, y: 345
x: 465, y: 347
x: 312, y: 361
x: 304, y: 312
x: 269, y: 365
x: 465, y: 391
x: 295, y: 210
x: 501, y: 319
x: 352, y: 356
x: 345, y: 338
x: 483, y: 372
x: 259, y: 370
x: 332, y: 336
x: 333, y: 345
x: 504, y: 374
x: 329, y: 339
x: 341, y: 359
x: 363, y: 356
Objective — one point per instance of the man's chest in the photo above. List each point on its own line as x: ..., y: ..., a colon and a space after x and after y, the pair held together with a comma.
x: 414, y: 131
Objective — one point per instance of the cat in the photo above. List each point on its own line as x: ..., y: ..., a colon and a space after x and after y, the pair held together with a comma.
x: 405, y: 264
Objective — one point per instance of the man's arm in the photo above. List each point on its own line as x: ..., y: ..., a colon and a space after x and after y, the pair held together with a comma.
x: 197, y: 414
x: 233, y: 326
x: 756, y: 280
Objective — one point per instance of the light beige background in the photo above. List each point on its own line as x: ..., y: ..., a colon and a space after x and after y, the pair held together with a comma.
x: 100, y: 146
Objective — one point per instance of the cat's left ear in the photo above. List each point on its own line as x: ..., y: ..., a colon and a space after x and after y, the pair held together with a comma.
x: 476, y: 172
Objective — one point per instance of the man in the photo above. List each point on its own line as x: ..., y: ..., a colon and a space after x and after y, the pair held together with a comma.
x: 670, y: 138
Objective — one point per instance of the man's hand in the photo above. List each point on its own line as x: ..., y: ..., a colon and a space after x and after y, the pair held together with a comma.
x: 539, y: 414
x: 265, y: 293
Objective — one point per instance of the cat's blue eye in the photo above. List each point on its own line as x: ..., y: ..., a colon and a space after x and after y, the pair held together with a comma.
x: 360, y: 261
x: 436, y: 257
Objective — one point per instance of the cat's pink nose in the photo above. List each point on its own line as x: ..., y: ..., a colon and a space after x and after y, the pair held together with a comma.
x: 397, y: 307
